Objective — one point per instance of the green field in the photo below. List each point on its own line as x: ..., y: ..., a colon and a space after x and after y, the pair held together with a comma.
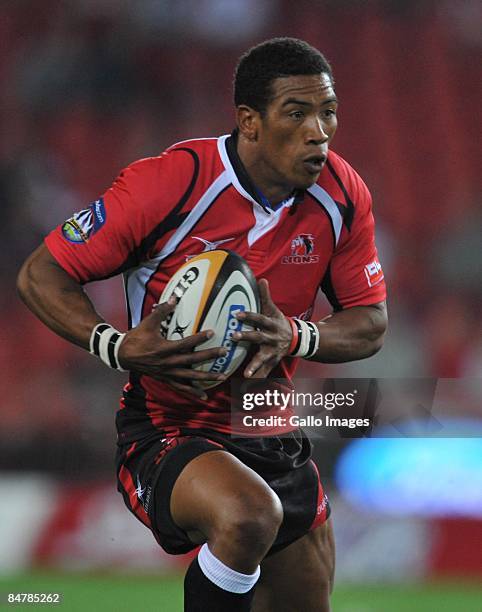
x: 124, y: 593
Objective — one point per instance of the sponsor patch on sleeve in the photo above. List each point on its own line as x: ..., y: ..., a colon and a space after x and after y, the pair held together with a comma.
x: 374, y: 273
x: 85, y: 223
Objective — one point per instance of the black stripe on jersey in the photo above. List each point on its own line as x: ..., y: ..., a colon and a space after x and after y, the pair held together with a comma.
x: 146, y: 291
x: 328, y: 289
x: 243, y: 175
x: 128, y: 306
x: 172, y: 221
x: 239, y: 169
x: 320, y: 204
x: 133, y: 422
x: 347, y: 212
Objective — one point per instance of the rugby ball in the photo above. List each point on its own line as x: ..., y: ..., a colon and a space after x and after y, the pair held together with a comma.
x: 211, y: 288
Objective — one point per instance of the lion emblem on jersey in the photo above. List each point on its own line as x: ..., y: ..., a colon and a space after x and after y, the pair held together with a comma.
x: 302, y: 245
x: 302, y: 248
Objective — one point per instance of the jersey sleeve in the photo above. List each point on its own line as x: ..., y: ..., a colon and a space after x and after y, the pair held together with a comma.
x: 115, y: 232
x: 355, y: 276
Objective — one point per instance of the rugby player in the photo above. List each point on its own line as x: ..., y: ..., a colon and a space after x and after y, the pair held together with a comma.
x: 276, y: 194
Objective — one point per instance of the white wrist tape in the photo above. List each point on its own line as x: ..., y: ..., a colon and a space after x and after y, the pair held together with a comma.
x: 105, y: 341
x: 308, y: 339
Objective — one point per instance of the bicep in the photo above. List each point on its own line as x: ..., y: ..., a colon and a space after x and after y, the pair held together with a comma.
x: 56, y: 298
x: 41, y: 268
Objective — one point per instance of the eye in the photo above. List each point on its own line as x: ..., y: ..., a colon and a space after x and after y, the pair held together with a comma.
x: 297, y: 115
x: 329, y: 113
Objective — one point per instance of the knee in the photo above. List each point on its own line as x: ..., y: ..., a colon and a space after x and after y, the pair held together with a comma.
x: 252, y: 521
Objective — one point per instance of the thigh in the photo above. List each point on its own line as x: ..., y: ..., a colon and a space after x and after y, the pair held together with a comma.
x: 147, y: 473
x: 182, y: 487
x: 213, y: 485
x: 300, y: 577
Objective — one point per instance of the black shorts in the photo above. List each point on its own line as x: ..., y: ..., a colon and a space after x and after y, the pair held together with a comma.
x: 147, y: 471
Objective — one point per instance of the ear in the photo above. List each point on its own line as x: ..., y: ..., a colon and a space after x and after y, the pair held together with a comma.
x: 248, y: 121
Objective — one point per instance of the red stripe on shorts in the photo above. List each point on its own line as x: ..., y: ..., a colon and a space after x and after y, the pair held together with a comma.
x: 132, y: 448
x: 321, y: 502
x: 125, y: 478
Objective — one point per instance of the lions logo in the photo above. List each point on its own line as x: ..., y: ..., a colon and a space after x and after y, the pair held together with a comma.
x: 302, y: 248
x: 302, y: 244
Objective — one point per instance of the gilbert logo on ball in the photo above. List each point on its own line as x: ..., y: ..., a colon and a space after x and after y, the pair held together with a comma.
x: 211, y: 289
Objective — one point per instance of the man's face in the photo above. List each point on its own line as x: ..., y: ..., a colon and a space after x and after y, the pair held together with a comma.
x: 296, y: 129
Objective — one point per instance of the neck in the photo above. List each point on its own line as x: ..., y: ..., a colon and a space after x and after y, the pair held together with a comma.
x: 260, y: 174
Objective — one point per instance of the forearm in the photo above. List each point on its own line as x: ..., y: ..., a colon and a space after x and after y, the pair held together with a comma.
x: 61, y: 303
x: 348, y: 335
x: 56, y: 298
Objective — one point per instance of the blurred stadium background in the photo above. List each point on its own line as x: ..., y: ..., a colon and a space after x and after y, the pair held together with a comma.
x: 87, y: 86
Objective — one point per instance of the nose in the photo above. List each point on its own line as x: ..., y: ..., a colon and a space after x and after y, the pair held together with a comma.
x: 316, y: 133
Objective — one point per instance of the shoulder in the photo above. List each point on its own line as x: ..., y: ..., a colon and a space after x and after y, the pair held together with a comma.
x: 142, y: 169
x: 176, y: 155
x: 182, y: 159
x: 346, y: 179
x: 197, y: 148
x: 203, y: 158
x: 176, y: 163
x: 183, y: 166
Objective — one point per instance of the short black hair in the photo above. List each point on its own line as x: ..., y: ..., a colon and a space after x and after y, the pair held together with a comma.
x: 271, y: 59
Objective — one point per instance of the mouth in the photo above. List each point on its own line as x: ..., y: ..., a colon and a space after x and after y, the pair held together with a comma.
x: 314, y: 163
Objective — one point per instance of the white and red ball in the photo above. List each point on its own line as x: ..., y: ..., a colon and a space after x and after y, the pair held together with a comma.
x: 211, y: 289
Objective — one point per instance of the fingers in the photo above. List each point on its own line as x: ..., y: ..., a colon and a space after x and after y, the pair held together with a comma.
x: 257, y: 320
x: 253, y: 366
x: 262, y: 363
x: 267, y: 305
x: 159, y: 313
x: 260, y: 366
x: 255, y: 337
x: 193, y: 358
x: 187, y: 344
x: 189, y: 374
x: 269, y: 311
x: 263, y: 371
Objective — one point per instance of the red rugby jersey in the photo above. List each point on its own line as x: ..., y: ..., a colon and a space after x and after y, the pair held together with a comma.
x: 197, y: 196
